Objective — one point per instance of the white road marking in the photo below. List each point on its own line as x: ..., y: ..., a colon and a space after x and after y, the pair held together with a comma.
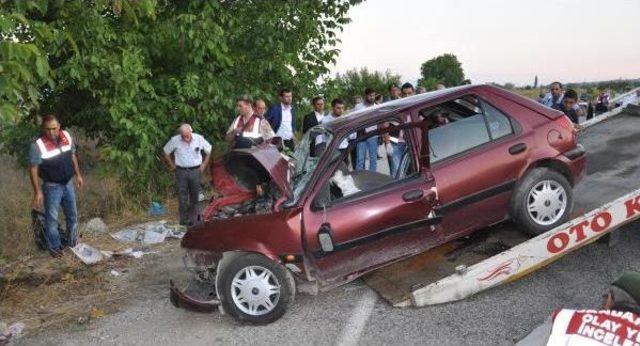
x: 352, y: 331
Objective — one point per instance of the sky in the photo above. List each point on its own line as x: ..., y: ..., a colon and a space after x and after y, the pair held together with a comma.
x: 497, y: 40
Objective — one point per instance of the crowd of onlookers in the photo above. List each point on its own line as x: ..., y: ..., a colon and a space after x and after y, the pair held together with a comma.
x: 255, y: 123
x: 574, y: 107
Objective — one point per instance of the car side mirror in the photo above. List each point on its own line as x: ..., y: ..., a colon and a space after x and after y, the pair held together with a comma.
x: 325, y: 238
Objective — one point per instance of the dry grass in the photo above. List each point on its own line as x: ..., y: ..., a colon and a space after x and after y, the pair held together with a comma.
x: 101, y: 197
x: 15, y: 205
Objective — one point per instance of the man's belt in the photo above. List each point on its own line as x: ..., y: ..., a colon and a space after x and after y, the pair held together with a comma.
x: 188, y: 168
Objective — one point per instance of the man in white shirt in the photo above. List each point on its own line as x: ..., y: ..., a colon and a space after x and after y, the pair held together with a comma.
x: 370, y: 145
x: 554, y: 96
x: 282, y: 118
x: 337, y: 109
x: 188, y: 165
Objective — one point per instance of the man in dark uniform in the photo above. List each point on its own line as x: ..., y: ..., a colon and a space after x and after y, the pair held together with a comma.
x: 52, y: 158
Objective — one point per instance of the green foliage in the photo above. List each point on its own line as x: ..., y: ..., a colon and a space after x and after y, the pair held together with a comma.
x: 354, y: 82
x: 129, y: 72
x: 444, y: 69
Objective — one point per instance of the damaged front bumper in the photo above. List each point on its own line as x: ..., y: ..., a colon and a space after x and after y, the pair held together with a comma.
x: 200, y: 300
x: 200, y: 293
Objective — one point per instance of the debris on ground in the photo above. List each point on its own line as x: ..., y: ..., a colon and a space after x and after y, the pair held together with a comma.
x: 156, y: 209
x: 10, y: 333
x: 150, y: 232
x: 95, y: 226
x: 90, y: 255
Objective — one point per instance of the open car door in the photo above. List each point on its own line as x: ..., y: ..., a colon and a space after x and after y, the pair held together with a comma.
x: 383, y: 219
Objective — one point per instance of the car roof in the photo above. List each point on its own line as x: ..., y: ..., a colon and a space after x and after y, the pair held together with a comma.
x: 380, y: 112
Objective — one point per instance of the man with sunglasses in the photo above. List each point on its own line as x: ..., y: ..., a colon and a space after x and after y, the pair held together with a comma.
x: 52, y: 158
x: 188, y: 165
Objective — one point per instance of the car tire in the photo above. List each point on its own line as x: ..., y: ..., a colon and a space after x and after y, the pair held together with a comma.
x: 254, y: 289
x: 542, y: 200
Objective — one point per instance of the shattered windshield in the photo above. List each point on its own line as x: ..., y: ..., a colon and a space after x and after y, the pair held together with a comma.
x: 306, y: 157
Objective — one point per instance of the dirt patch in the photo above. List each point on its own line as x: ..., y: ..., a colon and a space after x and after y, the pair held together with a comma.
x: 44, y: 293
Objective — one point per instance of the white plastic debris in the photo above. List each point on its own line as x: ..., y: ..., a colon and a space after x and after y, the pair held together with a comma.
x: 154, y: 236
x: 7, y: 334
x: 150, y: 232
x: 126, y: 235
x: 96, y: 226
x: 114, y: 272
x: 88, y: 254
x: 345, y: 183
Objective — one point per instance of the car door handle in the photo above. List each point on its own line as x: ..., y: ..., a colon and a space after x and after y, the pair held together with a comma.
x: 517, y: 149
x: 413, y: 195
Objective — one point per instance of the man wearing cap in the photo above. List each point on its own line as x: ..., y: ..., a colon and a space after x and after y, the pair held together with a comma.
x: 52, y: 158
x: 188, y: 165
x: 617, y: 323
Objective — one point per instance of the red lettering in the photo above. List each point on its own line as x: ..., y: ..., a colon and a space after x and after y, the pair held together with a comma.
x: 555, y: 248
x: 579, y: 230
x: 633, y: 206
x: 598, y: 226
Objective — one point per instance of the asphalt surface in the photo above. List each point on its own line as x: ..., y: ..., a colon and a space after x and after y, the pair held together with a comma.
x: 354, y: 314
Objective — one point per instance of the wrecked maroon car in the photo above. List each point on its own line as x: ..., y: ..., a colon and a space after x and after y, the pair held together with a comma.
x: 470, y: 157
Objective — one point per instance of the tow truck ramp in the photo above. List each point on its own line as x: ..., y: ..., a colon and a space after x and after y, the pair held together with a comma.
x: 502, y: 253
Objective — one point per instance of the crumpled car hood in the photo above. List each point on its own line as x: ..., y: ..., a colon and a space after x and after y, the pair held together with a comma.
x: 241, y: 164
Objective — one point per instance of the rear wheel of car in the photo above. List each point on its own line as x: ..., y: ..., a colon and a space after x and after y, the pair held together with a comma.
x: 542, y: 200
x: 255, y: 289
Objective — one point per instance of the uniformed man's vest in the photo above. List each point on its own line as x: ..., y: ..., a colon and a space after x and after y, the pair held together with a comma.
x: 56, y: 165
x: 251, y: 129
x: 595, y: 327
x: 250, y: 134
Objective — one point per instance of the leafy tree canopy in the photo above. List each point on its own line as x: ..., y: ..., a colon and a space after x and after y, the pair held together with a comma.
x: 354, y: 82
x: 127, y: 73
x: 444, y: 69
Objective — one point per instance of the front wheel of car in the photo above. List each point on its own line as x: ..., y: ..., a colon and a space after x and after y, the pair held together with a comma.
x: 542, y: 200
x: 255, y: 289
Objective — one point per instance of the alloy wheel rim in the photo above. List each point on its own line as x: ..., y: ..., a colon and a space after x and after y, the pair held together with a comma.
x: 255, y: 290
x: 546, y: 202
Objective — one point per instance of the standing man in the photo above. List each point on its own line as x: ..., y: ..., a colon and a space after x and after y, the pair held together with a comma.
x: 53, y: 159
x: 370, y: 145
x: 569, y: 100
x: 282, y: 117
x: 408, y: 90
x: 337, y: 109
x: 312, y: 119
x: 394, y: 92
x: 248, y: 129
x: 554, y: 96
x: 259, y: 107
x: 187, y: 148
